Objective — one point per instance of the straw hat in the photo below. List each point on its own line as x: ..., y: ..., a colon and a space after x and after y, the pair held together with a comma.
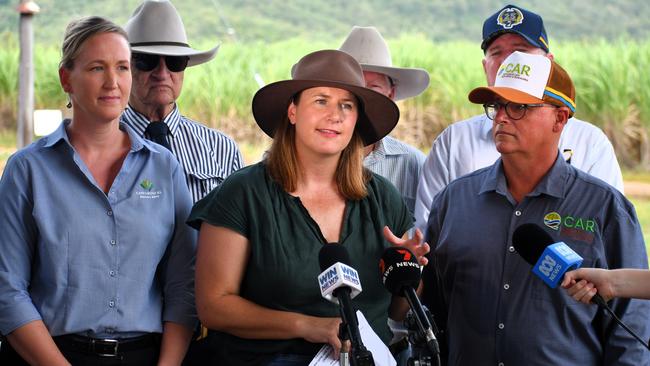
x: 156, y: 28
x: 378, y: 115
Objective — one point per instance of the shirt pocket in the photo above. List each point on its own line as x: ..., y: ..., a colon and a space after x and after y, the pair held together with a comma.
x: 204, y: 182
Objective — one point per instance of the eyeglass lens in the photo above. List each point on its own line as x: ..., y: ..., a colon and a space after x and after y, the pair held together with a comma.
x: 148, y: 62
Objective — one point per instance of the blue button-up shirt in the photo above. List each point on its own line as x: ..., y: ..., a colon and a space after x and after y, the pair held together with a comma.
x: 497, y: 311
x: 86, y: 262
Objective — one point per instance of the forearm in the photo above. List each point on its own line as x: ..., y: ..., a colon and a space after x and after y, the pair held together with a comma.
x: 176, y: 338
x: 631, y: 283
x: 34, y: 344
x: 243, y: 318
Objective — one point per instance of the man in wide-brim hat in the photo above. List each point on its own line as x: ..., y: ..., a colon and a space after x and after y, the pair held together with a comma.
x: 161, y: 53
x: 395, y: 160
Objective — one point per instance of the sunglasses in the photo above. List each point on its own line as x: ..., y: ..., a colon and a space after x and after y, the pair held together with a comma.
x: 148, y: 62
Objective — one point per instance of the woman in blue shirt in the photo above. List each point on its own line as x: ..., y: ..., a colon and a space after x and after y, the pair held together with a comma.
x: 96, y: 265
x: 261, y: 231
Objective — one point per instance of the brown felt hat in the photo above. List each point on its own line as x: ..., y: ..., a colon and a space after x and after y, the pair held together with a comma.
x: 378, y: 115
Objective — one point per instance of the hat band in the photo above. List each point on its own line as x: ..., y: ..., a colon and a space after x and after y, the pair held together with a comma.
x: 556, y: 94
x: 160, y: 44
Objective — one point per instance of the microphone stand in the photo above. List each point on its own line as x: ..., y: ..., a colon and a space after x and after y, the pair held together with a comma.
x: 360, y: 354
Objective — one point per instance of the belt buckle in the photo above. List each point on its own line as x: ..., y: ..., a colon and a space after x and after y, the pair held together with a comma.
x: 114, y: 343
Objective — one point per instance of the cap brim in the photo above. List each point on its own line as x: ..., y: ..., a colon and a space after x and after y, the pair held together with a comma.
x: 488, y: 41
x: 196, y: 57
x: 486, y: 94
x: 378, y: 115
x: 410, y: 82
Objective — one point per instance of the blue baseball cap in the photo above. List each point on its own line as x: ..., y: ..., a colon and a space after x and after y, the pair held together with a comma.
x: 513, y: 19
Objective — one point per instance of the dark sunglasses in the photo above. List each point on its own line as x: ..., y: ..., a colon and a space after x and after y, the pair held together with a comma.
x: 148, y: 62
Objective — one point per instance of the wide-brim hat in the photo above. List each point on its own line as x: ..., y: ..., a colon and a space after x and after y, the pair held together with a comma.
x: 378, y: 114
x: 369, y: 48
x: 525, y: 78
x: 156, y: 28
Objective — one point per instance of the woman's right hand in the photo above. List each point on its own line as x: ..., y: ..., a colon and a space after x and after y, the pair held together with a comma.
x: 321, y: 330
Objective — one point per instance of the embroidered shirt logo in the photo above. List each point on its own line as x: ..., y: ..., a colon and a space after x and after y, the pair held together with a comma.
x: 510, y: 17
x: 146, y: 184
x: 576, y: 228
x: 148, y: 190
x: 553, y: 220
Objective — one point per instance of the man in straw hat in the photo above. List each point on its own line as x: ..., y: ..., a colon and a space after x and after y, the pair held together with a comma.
x: 468, y: 145
x: 397, y: 161
x: 160, y: 55
x: 496, y: 311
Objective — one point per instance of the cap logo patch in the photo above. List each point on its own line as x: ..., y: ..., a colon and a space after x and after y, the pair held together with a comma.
x: 510, y: 17
x: 514, y: 70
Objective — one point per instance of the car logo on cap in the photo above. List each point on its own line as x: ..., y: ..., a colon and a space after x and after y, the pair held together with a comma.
x: 509, y: 17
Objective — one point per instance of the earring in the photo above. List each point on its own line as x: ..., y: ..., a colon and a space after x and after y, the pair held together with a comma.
x: 69, y: 105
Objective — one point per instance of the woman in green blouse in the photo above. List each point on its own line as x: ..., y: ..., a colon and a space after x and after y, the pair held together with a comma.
x: 261, y: 231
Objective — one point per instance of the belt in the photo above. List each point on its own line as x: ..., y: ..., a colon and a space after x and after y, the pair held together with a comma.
x: 107, y: 347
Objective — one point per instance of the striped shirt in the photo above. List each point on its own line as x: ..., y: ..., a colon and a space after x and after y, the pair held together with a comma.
x: 206, y: 155
x: 400, y: 164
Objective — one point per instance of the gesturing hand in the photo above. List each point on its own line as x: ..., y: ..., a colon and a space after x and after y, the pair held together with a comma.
x: 414, y: 244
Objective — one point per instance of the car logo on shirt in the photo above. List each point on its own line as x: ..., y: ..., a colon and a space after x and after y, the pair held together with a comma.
x: 553, y: 220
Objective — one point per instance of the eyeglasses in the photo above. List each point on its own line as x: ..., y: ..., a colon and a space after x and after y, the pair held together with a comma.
x: 148, y: 62
x: 515, y: 111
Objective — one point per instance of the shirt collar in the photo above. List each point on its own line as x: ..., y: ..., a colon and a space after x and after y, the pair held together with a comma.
x: 552, y: 184
x: 139, y: 122
x: 137, y: 142
x: 486, y: 127
x: 387, y: 146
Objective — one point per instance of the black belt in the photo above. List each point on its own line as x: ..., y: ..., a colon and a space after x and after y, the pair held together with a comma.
x: 107, y: 347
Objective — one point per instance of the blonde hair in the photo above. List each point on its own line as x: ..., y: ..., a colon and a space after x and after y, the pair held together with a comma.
x: 78, y: 31
x: 282, y: 162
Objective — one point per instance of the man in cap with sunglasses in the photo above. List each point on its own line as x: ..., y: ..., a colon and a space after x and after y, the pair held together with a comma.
x: 468, y: 145
x: 160, y: 54
x: 495, y: 309
x: 397, y: 161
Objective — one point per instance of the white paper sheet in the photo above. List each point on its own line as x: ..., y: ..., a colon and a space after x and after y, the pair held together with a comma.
x: 370, y: 339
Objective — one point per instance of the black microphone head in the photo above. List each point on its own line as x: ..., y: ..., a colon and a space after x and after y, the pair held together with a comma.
x: 331, y: 253
x: 530, y: 240
x: 399, y: 268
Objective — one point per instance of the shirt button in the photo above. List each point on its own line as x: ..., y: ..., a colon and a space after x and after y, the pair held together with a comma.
x: 517, y: 213
x: 109, y: 213
x: 511, y: 249
x: 505, y: 287
x: 113, y: 242
x: 501, y: 326
x: 112, y: 273
x: 111, y: 303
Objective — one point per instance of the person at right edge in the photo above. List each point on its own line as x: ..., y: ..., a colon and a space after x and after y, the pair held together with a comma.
x: 494, y: 309
x: 466, y: 146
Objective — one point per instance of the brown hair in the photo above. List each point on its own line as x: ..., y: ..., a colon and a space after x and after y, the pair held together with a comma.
x: 282, y: 162
x: 78, y: 31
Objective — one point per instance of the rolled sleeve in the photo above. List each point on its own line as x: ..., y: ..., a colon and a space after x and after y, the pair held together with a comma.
x: 178, y: 263
x: 17, y: 239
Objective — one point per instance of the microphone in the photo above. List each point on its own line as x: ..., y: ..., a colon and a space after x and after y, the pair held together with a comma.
x: 400, y: 274
x: 552, y: 260
x: 339, y: 283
